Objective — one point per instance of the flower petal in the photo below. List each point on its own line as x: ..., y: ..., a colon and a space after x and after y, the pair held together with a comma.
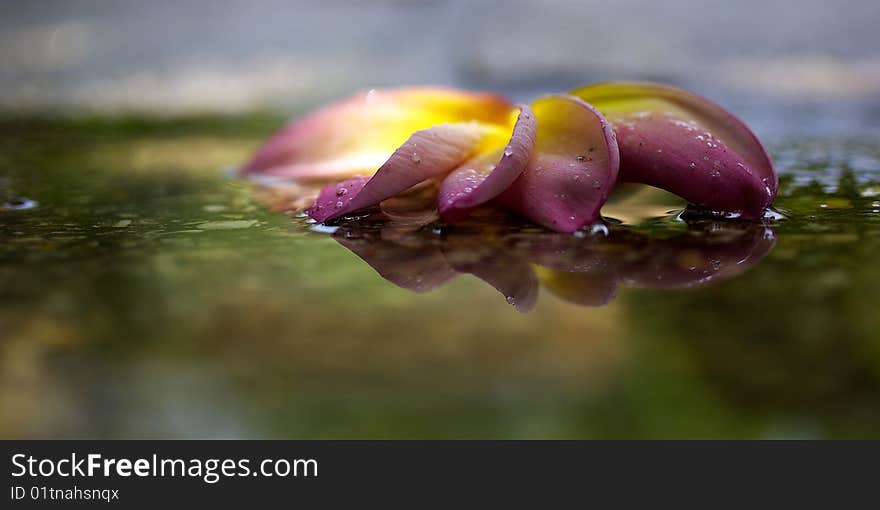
x: 427, y: 153
x: 335, y: 196
x: 486, y: 175
x: 572, y: 169
x: 356, y: 135
x: 412, y: 210
x: 681, y: 142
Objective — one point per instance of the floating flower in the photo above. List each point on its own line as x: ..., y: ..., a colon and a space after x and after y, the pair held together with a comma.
x: 554, y: 162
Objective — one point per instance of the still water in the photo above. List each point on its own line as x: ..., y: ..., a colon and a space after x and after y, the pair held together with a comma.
x: 145, y: 293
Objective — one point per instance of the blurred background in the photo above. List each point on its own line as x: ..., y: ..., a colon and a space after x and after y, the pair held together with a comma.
x: 146, y: 292
x: 239, y: 55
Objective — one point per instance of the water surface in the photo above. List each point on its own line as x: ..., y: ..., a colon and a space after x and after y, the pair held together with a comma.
x: 145, y: 293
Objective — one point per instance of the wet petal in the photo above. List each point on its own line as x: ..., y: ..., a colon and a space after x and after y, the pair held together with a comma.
x: 427, y: 153
x: 572, y: 168
x: 489, y: 173
x: 681, y: 142
x: 357, y: 135
x: 334, y: 197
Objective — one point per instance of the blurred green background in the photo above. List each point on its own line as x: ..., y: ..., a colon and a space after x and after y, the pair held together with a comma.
x: 145, y: 292
x: 148, y: 294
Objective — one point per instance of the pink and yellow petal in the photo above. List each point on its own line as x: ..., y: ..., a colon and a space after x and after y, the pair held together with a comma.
x: 490, y: 172
x: 426, y: 154
x: 684, y: 143
x: 572, y: 169
x: 358, y: 134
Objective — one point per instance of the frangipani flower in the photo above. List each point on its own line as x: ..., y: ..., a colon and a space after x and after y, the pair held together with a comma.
x: 554, y: 161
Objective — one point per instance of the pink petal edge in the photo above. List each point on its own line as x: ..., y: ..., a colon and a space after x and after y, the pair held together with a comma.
x: 572, y: 169
x: 476, y: 182
x: 427, y: 153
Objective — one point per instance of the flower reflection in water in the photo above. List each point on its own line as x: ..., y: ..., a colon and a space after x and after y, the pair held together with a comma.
x: 583, y: 269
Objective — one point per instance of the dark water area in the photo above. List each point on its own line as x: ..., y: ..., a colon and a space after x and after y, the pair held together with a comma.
x: 144, y: 292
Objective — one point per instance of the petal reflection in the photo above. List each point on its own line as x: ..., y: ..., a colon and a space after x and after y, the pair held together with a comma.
x: 414, y: 261
x: 583, y: 270
x: 492, y: 262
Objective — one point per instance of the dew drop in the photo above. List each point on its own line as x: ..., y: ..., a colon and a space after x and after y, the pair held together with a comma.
x: 599, y: 229
x: 773, y: 215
